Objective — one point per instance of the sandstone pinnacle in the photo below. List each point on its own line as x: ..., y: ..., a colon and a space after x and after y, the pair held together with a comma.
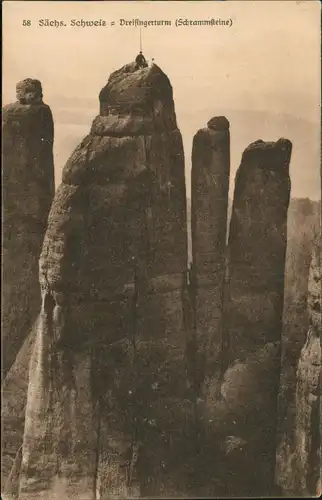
x: 29, y: 91
x: 28, y: 190
x: 253, y: 316
x: 110, y: 346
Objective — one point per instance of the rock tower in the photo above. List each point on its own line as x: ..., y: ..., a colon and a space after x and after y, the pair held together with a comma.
x: 209, y: 187
x: 253, y: 319
x: 28, y: 190
x: 108, y: 407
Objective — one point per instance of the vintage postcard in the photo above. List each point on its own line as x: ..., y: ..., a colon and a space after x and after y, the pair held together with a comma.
x: 161, y: 246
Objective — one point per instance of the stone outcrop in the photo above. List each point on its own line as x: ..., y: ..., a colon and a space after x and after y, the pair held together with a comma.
x: 14, y: 398
x: 308, y: 390
x: 236, y: 418
x: 109, y: 410
x: 139, y: 385
x: 209, y: 203
x: 299, y: 459
x: 28, y: 190
x: 253, y: 316
x: 302, y: 227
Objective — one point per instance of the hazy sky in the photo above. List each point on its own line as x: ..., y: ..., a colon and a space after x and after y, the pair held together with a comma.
x: 263, y: 73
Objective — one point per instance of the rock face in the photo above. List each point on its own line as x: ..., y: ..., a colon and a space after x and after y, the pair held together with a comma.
x: 209, y: 187
x: 302, y: 228
x: 307, y: 424
x: 253, y: 317
x: 14, y: 398
x: 108, y: 409
x: 28, y: 190
x: 298, y: 468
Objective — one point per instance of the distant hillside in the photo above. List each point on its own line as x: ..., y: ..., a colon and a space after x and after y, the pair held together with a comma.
x: 303, y: 223
x: 73, y: 121
x: 247, y: 126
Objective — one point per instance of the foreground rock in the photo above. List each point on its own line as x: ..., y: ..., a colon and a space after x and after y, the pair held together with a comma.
x: 308, y: 411
x: 28, y: 190
x: 299, y: 459
x: 253, y: 319
x: 108, y: 408
x: 303, y: 225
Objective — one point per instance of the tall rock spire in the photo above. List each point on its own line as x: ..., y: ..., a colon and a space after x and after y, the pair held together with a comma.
x: 107, y: 402
x: 253, y: 322
x: 28, y: 190
x: 209, y: 187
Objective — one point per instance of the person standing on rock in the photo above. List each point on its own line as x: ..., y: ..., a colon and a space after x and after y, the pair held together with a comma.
x: 140, y: 61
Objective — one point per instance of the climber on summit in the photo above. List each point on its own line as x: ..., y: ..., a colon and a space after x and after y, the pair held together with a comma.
x: 140, y: 61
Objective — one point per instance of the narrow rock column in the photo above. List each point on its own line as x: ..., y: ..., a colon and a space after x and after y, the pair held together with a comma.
x: 257, y: 246
x: 28, y: 190
x: 210, y: 185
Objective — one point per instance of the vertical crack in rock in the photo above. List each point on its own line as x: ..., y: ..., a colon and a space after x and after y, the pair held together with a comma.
x: 114, y: 259
x: 28, y: 190
x: 257, y: 246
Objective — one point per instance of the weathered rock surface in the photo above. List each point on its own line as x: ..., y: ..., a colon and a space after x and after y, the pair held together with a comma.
x: 108, y: 408
x: 14, y: 399
x: 111, y: 410
x: 253, y: 317
x: 209, y: 187
x: 299, y: 465
x: 302, y: 228
x: 308, y: 414
x: 28, y: 190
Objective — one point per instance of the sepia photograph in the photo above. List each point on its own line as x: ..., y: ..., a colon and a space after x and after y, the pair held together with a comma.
x: 161, y: 250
